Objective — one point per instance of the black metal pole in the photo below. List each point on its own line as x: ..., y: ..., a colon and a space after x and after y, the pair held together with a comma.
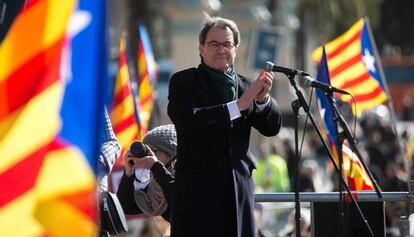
x: 341, y: 214
x: 296, y: 106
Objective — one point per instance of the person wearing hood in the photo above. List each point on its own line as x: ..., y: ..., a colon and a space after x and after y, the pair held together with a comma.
x: 150, y: 196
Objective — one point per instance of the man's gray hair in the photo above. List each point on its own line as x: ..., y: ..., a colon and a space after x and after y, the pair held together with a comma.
x: 220, y: 22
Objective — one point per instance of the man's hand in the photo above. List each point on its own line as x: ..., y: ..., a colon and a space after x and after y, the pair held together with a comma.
x: 257, y: 91
x: 267, y: 79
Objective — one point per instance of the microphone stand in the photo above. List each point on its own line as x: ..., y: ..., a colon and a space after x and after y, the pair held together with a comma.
x: 301, y: 102
x: 338, y: 145
x: 296, y: 104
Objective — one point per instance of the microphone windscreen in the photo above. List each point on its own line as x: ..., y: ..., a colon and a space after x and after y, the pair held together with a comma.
x: 305, y: 81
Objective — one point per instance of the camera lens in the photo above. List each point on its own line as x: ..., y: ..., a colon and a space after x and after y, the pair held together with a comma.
x: 138, y: 150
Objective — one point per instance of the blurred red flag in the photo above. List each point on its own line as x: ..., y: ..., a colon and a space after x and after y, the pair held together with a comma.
x: 146, y: 78
x: 124, y: 114
x: 47, y: 185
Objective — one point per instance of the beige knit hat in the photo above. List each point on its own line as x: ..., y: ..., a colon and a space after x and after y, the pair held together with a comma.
x: 164, y: 137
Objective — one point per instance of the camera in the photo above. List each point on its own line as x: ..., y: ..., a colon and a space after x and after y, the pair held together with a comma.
x: 138, y: 150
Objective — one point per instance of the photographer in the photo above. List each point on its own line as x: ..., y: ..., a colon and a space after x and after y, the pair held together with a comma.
x: 150, y: 196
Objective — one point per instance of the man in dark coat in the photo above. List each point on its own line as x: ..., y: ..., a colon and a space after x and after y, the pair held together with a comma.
x: 213, y: 109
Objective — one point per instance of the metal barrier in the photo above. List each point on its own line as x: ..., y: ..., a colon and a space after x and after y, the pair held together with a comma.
x: 360, y: 196
x: 364, y: 196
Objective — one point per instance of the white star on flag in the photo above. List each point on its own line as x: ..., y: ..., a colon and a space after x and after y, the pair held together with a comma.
x: 78, y: 21
x: 368, y: 60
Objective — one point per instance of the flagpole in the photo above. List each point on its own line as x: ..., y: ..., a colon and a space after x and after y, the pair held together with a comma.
x: 134, y: 88
x: 389, y: 99
x: 382, y: 75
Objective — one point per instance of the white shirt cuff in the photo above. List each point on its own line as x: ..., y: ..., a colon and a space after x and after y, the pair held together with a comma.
x: 260, y: 107
x: 233, y: 110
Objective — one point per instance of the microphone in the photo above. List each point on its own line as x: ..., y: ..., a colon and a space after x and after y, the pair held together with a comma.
x: 271, y: 67
x: 307, y: 81
x: 138, y: 150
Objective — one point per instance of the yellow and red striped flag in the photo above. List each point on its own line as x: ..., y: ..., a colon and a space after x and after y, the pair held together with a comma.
x: 357, y: 177
x: 355, y: 173
x: 47, y: 186
x: 354, y: 67
x: 124, y: 114
x: 146, y: 78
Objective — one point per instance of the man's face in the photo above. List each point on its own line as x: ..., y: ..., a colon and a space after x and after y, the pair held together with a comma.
x: 219, y: 50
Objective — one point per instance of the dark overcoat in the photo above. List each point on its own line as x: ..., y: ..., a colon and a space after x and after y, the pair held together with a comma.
x: 213, y: 190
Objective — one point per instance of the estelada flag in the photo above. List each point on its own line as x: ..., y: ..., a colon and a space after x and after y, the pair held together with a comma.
x: 53, y: 68
x: 357, y: 178
x: 354, y: 66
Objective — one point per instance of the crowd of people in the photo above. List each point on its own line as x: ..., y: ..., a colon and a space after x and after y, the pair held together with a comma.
x: 202, y: 175
x: 387, y: 156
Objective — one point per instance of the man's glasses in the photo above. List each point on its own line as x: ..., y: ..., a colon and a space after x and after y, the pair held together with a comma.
x: 216, y: 45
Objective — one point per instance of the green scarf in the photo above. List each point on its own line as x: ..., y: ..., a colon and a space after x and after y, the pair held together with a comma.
x: 225, y: 83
